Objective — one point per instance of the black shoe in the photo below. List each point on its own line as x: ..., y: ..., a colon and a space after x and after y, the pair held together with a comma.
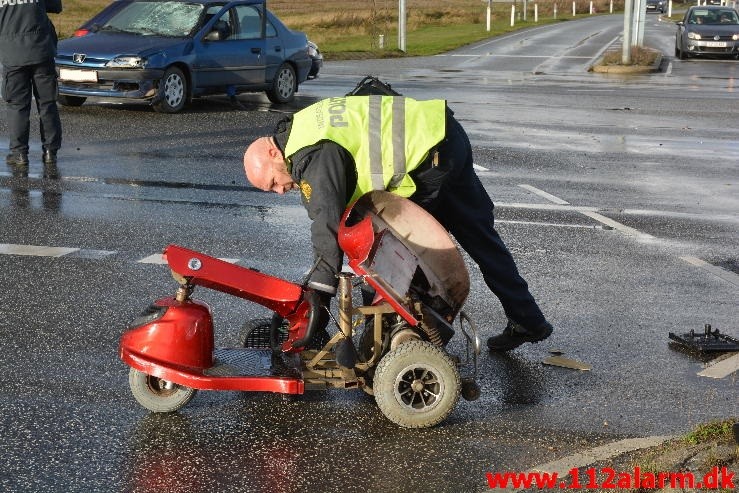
x: 515, y: 334
x: 49, y: 156
x: 17, y: 159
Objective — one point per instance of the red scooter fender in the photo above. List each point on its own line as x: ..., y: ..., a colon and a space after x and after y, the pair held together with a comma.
x: 173, y: 341
x: 170, y: 332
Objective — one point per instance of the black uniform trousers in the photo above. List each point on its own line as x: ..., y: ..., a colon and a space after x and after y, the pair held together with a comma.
x: 465, y: 209
x: 20, y: 84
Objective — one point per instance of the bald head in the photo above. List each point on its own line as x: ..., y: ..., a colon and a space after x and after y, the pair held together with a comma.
x: 265, y: 167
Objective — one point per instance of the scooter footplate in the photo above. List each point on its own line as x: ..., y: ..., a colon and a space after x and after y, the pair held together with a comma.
x: 238, y: 362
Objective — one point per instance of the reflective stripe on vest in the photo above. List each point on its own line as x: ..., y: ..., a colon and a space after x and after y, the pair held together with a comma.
x: 388, y: 136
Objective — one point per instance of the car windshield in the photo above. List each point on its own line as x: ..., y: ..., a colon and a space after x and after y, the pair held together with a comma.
x: 713, y: 17
x: 156, y: 18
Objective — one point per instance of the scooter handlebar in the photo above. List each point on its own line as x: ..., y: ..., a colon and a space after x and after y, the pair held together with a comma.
x: 317, y: 316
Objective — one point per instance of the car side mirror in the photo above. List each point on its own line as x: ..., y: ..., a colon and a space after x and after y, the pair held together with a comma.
x: 680, y: 23
x: 214, y: 35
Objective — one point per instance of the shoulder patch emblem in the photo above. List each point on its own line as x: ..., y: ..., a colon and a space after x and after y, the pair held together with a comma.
x: 306, y: 190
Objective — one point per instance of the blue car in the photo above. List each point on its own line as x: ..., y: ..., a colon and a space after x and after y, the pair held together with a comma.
x: 165, y: 52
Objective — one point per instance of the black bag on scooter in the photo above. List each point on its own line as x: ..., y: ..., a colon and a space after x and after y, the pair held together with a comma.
x: 372, y: 86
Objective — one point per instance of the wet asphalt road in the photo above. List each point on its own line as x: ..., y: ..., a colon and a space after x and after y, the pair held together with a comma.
x: 657, y: 154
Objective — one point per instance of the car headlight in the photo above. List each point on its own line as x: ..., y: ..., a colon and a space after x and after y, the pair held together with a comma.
x: 735, y: 37
x: 694, y: 36
x: 312, y: 50
x: 127, y: 62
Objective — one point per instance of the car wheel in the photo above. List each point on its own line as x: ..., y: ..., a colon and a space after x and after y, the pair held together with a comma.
x: 172, y: 91
x: 683, y: 55
x: 70, y: 100
x: 283, y: 85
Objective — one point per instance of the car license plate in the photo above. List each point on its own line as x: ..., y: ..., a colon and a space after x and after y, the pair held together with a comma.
x: 716, y: 44
x: 78, y: 75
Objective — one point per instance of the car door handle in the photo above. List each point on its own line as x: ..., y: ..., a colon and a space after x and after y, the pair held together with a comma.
x: 256, y: 50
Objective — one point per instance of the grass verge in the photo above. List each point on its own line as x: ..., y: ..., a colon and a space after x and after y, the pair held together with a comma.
x: 352, y: 28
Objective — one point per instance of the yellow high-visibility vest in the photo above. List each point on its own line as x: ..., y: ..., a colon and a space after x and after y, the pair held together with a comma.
x: 388, y: 136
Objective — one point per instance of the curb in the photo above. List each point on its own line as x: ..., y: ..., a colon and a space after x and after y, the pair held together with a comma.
x: 627, y: 69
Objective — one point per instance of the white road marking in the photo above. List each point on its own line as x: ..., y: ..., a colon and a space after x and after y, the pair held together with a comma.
x: 555, y: 225
x: 721, y: 369
x: 542, y: 193
x: 590, y: 213
x: 497, y: 55
x: 632, y: 212
x: 724, y: 274
x: 157, y: 258
x: 556, y: 204
x: 588, y: 457
x: 604, y: 452
x: 89, y: 254
x: 35, y: 250
x: 617, y: 225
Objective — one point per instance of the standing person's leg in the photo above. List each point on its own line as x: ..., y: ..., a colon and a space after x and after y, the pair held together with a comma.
x: 465, y: 208
x: 45, y: 89
x: 17, y: 93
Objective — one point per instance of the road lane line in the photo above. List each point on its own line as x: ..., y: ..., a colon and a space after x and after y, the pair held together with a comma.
x: 590, y: 213
x: 229, y: 260
x: 722, y: 369
x: 157, y: 258
x: 497, y: 55
x: 617, y: 225
x: 588, y: 457
x: 724, y: 274
x: 35, y: 250
x: 542, y: 193
x: 540, y: 223
x: 91, y: 254
x: 604, y: 452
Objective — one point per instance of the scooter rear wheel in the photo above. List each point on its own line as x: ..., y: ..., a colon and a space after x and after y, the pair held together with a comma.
x: 416, y: 385
x: 158, y: 395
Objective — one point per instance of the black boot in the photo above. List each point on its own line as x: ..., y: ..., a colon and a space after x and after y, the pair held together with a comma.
x: 49, y: 156
x: 516, y: 334
x: 17, y: 159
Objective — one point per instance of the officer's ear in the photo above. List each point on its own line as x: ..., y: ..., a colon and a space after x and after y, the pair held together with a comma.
x: 274, y: 152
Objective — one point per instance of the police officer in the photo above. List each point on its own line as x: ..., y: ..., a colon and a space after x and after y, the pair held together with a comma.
x: 27, y: 48
x: 337, y: 149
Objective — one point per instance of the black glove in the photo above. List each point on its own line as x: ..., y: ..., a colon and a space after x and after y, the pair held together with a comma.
x: 320, y: 302
x: 318, y: 318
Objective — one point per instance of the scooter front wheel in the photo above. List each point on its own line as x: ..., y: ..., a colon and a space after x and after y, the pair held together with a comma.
x: 157, y: 395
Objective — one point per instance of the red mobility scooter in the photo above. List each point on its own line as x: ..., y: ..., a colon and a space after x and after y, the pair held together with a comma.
x: 420, y: 283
